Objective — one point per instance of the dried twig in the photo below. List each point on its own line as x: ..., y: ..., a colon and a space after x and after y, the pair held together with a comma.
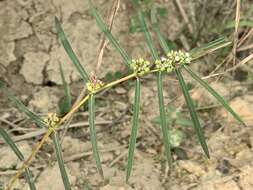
x: 103, y: 42
x: 237, y: 22
x: 246, y: 47
x: 245, y: 37
x: 66, y: 125
x: 81, y: 155
x: 244, y: 61
x: 102, y: 45
x: 183, y: 13
x: 43, y: 131
x: 229, y: 58
x: 118, y: 158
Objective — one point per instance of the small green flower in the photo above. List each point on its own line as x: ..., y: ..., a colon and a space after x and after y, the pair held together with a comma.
x: 140, y: 66
x: 173, y: 59
x: 164, y: 65
x: 179, y: 57
x: 51, y: 120
x: 94, y: 85
x: 188, y: 58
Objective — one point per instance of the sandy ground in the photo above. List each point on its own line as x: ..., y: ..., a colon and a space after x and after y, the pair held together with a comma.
x: 30, y: 55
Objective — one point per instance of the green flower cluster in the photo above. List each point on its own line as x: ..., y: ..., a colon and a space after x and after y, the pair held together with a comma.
x: 179, y: 57
x: 140, y: 66
x: 164, y: 65
x: 173, y: 59
x: 95, y: 85
x: 51, y: 120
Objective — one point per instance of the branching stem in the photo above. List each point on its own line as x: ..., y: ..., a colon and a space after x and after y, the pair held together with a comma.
x: 27, y: 162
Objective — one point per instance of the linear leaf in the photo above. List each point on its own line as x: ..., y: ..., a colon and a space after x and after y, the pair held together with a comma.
x: 21, y: 106
x: 175, y: 121
x: 29, y: 179
x: 147, y: 35
x: 93, y: 134
x: 66, y: 104
x: 215, y: 94
x: 155, y: 27
x: 109, y: 35
x: 165, y: 130
x: 193, y: 113
x: 12, y: 145
x: 209, y: 47
x: 60, y: 161
x: 20, y: 156
x: 134, y: 128
x: 70, y: 51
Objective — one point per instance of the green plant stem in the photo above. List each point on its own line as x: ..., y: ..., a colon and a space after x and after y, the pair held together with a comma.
x: 115, y: 83
x: 109, y: 85
x: 27, y: 162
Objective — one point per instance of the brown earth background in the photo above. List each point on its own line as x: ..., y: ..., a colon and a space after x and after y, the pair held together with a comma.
x: 30, y: 55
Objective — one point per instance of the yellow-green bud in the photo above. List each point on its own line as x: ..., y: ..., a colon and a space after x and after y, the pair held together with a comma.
x: 164, y: 65
x: 94, y: 86
x: 51, y: 120
x: 140, y: 66
x: 179, y: 57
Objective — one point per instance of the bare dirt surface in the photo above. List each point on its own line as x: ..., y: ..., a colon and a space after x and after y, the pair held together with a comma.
x: 30, y: 55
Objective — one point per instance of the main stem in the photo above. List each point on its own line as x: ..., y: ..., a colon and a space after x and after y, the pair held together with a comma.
x: 27, y: 162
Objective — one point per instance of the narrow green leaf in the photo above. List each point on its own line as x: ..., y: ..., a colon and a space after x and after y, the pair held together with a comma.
x: 70, y: 51
x: 215, y: 94
x: 93, y: 134
x: 147, y: 35
x: 209, y: 47
x: 134, y: 128
x: 21, y: 106
x: 109, y: 35
x: 176, y: 121
x: 20, y: 156
x: 66, y: 86
x: 155, y: 27
x: 183, y: 122
x: 29, y: 179
x: 12, y: 145
x: 165, y: 130
x: 66, y: 105
x: 60, y: 161
x: 193, y: 113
